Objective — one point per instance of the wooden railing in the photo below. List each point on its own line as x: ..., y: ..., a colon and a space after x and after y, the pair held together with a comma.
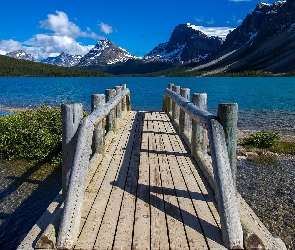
x: 84, y: 141
x: 197, y: 127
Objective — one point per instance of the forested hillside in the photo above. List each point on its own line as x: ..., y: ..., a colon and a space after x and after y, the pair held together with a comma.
x: 16, y: 67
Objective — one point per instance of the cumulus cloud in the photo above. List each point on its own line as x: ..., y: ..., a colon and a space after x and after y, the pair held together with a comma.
x: 62, y: 38
x: 105, y: 28
x: 215, y: 31
x: 61, y: 25
x: 9, y: 45
x: 44, y: 45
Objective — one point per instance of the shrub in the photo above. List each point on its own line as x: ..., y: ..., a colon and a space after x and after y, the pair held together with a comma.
x: 34, y: 134
x: 263, y: 139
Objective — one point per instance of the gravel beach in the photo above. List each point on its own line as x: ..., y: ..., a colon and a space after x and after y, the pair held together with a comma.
x: 267, y: 183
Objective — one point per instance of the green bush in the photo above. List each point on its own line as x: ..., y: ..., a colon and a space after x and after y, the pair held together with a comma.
x: 263, y: 139
x: 32, y: 134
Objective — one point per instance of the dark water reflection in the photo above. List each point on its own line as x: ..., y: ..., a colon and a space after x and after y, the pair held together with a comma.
x: 26, y: 190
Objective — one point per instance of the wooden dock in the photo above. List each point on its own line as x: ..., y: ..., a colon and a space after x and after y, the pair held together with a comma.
x: 145, y: 180
x: 148, y: 193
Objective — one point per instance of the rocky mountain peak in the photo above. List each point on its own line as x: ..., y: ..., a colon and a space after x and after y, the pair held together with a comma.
x: 63, y: 59
x: 264, y: 41
x: 186, y: 44
x: 105, y: 52
x: 21, y: 54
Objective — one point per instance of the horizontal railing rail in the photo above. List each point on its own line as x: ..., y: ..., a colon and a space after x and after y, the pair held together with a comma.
x: 196, y: 126
x: 83, y: 140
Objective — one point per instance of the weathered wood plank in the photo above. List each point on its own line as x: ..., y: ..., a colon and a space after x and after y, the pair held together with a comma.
x: 102, y: 189
x: 105, y: 238
x: 141, y: 234
x: 123, y: 239
x: 159, y: 231
x: 191, y: 223
x: 207, y: 223
x: 177, y: 234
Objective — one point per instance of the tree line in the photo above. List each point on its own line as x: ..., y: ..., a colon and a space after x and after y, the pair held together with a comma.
x: 15, y: 67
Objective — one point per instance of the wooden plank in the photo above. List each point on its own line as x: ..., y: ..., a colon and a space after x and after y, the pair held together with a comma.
x: 204, y: 187
x: 141, y: 233
x: 105, y: 237
x: 177, y: 235
x: 92, y: 224
x: 123, y: 239
x: 159, y: 230
x: 89, y: 232
x: 191, y: 222
x: 207, y: 222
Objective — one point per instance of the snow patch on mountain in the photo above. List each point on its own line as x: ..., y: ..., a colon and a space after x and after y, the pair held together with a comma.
x: 21, y: 54
x: 105, y: 52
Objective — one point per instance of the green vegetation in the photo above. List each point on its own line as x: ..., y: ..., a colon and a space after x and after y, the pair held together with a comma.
x: 16, y: 67
x: 263, y: 139
x: 32, y: 135
x: 270, y: 141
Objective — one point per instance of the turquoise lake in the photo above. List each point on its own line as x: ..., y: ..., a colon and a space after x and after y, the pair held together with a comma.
x: 267, y: 99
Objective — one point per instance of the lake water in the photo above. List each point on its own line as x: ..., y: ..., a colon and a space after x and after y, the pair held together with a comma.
x: 263, y: 101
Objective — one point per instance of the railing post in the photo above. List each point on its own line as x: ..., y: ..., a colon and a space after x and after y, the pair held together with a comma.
x: 228, y: 116
x: 98, y: 143
x: 110, y: 123
x: 119, y: 106
x: 124, y: 108
x: 199, y: 134
x: 169, y: 104
x: 183, y: 117
x: 175, y: 108
x: 72, y: 113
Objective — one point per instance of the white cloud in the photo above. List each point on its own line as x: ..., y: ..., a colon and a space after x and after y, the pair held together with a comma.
x: 61, y: 25
x: 215, y: 31
x: 105, y: 28
x: 44, y: 45
x: 62, y: 39
x: 9, y: 45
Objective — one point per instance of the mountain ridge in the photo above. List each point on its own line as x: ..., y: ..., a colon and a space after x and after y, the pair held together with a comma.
x: 265, y: 41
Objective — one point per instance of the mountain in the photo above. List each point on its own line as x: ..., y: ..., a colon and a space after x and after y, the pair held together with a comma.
x: 21, y: 54
x: 264, y: 41
x: 105, y: 53
x: 63, y: 59
x: 186, y: 44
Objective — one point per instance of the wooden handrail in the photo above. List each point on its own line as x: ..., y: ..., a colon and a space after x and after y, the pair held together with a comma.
x: 73, y: 202
x: 231, y: 227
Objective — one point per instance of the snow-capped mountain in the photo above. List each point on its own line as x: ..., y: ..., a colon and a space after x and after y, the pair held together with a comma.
x: 63, y: 59
x: 186, y: 44
x: 104, y: 53
x: 264, y: 41
x: 21, y: 54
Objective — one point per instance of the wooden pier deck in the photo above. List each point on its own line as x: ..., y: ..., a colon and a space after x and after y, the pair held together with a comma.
x: 148, y: 193
x: 130, y: 182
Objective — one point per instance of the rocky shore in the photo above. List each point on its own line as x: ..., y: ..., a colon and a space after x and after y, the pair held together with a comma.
x: 267, y: 183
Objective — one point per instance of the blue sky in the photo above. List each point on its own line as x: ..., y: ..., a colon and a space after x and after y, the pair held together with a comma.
x: 47, y: 28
